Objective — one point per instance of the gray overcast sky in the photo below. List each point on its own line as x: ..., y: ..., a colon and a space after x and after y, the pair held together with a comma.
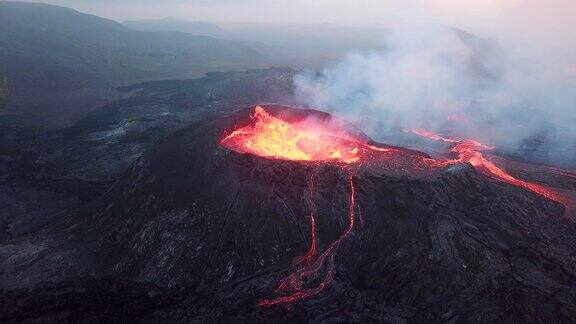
x: 543, y: 20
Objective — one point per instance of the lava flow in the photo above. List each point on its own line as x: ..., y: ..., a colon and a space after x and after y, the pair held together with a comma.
x: 290, y: 289
x: 470, y: 151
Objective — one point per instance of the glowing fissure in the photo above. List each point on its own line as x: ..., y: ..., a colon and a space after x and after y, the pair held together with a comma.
x: 309, y: 257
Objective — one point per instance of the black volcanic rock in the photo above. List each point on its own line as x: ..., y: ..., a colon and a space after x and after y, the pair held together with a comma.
x: 51, y: 180
x: 101, y: 146
x: 222, y: 227
x: 106, y: 142
x: 88, y: 300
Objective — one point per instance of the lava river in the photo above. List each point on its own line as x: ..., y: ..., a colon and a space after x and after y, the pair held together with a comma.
x: 470, y: 151
x: 314, y: 141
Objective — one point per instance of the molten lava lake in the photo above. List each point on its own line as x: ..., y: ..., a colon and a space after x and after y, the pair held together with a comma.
x: 301, y: 139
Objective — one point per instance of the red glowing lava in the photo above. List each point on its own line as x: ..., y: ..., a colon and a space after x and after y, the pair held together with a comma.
x: 309, y: 257
x: 272, y: 137
x: 470, y: 151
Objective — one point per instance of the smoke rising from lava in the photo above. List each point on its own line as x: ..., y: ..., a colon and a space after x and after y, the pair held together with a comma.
x: 444, y: 79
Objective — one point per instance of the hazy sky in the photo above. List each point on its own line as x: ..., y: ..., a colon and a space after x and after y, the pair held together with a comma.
x: 360, y: 12
x: 551, y: 21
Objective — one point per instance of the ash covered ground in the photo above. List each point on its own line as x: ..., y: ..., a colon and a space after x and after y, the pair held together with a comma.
x: 138, y: 213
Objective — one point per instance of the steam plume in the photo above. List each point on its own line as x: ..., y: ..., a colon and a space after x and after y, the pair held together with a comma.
x: 440, y: 78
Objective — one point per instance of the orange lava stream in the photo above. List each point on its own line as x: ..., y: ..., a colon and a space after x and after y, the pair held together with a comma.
x: 309, y: 257
x: 470, y: 151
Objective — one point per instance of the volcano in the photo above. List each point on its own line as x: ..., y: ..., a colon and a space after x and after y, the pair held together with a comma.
x: 378, y: 232
x: 218, y: 222
x: 329, y: 141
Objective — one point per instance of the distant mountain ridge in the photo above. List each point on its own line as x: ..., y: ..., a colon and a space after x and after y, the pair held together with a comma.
x: 302, y: 45
x: 172, y: 24
x: 57, y: 63
x: 309, y: 36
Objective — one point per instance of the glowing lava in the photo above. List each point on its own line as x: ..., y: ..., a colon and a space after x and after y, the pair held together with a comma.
x: 470, y: 151
x: 291, y: 288
x: 272, y: 137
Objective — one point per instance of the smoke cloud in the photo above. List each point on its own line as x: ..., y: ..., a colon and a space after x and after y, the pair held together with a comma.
x: 446, y: 80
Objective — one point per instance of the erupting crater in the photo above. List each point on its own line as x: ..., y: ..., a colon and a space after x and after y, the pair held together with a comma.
x: 299, y: 140
x: 286, y: 135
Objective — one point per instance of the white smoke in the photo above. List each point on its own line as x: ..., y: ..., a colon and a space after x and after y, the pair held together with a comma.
x: 429, y: 77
